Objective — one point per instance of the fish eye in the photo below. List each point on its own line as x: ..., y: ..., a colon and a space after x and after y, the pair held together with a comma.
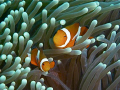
x: 64, y: 36
x: 43, y: 64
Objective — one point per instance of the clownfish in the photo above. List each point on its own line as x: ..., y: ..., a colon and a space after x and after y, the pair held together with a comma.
x: 39, y: 59
x: 66, y: 37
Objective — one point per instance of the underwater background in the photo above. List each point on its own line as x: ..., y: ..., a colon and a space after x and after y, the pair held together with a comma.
x: 29, y: 24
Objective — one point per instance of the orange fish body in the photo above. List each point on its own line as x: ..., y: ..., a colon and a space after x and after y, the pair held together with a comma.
x: 40, y: 60
x: 66, y: 37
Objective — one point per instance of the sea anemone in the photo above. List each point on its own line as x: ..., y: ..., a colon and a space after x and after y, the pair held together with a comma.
x: 26, y: 24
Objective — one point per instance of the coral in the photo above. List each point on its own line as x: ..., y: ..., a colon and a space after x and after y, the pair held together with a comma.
x: 26, y: 24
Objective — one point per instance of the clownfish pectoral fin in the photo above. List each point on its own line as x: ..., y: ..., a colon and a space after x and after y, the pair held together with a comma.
x: 52, y: 64
x: 42, y: 55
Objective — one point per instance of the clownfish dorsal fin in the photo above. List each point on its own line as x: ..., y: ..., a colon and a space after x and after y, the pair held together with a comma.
x: 42, y: 55
x: 74, y: 30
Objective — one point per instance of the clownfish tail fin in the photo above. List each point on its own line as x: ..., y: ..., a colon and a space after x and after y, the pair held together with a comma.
x: 33, y: 56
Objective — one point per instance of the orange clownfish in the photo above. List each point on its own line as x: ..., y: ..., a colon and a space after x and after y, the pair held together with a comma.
x: 66, y: 37
x: 39, y: 59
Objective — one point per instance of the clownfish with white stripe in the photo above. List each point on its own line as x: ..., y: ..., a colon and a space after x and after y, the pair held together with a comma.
x: 66, y: 37
x: 39, y: 59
